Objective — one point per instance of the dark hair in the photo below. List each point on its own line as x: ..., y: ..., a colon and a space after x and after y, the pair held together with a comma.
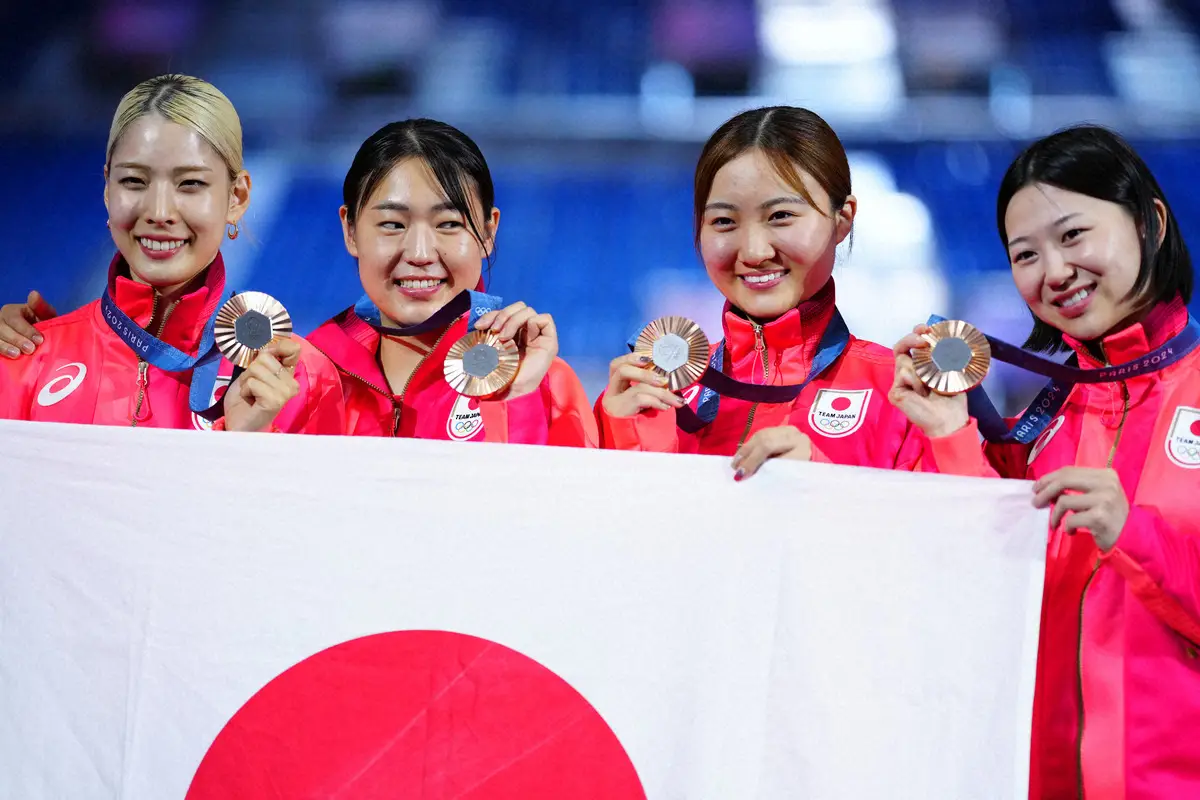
x: 791, y: 138
x: 1090, y: 160
x: 454, y: 158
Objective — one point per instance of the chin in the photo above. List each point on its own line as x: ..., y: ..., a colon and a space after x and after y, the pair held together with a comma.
x: 768, y: 306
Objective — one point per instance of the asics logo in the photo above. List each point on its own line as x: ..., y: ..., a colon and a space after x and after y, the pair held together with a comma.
x: 63, y: 386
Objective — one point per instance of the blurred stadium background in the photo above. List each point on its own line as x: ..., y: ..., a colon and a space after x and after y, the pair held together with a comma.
x: 591, y: 116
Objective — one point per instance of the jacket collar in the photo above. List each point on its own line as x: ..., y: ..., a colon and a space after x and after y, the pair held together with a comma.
x: 189, y: 314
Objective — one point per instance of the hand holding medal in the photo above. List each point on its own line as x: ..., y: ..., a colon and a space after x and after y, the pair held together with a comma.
x: 930, y: 362
x: 253, y: 330
x: 511, y: 348
x: 669, y: 355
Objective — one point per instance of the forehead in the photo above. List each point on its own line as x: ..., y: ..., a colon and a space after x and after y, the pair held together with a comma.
x: 411, y: 178
x: 752, y: 174
x: 154, y: 141
x: 1040, y: 204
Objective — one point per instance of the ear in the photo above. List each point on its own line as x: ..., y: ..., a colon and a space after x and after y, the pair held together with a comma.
x: 239, y: 197
x: 1160, y: 210
x: 845, y: 218
x: 348, y: 231
x: 106, y: 187
x: 490, y: 229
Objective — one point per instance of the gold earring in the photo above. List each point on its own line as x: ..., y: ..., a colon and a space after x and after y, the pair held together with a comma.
x: 232, y: 230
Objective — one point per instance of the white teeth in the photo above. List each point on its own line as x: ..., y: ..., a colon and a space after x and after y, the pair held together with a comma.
x: 767, y: 278
x: 155, y: 244
x: 410, y: 283
x: 1075, y: 298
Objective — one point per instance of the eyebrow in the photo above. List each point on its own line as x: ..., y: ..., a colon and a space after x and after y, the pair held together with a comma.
x: 176, y: 171
x: 392, y: 205
x: 774, y: 201
x: 1055, y: 224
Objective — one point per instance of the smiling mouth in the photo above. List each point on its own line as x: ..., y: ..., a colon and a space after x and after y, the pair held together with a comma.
x: 1074, y: 299
x: 159, y: 245
x: 419, y: 283
x: 762, y: 278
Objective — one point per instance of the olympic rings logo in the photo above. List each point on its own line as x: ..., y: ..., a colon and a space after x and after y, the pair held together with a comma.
x: 466, y: 425
x: 836, y: 424
x: 1190, y: 452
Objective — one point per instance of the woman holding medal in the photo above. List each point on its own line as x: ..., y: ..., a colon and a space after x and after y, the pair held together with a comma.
x: 145, y: 353
x: 1097, y: 255
x: 425, y: 354
x: 772, y: 202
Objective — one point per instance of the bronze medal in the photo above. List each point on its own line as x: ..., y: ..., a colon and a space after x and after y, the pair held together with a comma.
x: 957, y: 359
x: 247, y: 323
x: 677, y: 349
x: 479, y: 364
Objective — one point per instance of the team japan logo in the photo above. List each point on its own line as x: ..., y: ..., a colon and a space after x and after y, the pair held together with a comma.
x: 1183, y: 439
x: 836, y: 413
x: 466, y: 419
x: 220, y: 387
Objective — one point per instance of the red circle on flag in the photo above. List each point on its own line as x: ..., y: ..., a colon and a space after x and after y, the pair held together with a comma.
x: 840, y: 403
x: 417, y: 714
x: 1195, y: 429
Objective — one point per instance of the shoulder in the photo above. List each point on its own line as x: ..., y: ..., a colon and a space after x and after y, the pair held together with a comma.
x: 84, y: 315
x: 871, y: 353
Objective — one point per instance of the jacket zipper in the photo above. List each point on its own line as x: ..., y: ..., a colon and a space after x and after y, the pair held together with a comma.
x: 143, y: 378
x: 760, y: 346
x: 1112, y: 454
x: 396, y: 404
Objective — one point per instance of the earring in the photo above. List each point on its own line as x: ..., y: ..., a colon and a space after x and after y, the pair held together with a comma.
x: 232, y: 230
x: 107, y: 223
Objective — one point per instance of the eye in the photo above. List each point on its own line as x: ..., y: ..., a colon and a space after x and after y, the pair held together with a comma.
x: 1072, y: 234
x: 1024, y: 256
x: 131, y: 181
x: 780, y: 216
x: 721, y: 222
x: 450, y: 224
x: 391, y: 225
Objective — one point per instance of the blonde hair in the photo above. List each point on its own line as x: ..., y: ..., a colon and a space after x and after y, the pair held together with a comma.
x: 186, y: 101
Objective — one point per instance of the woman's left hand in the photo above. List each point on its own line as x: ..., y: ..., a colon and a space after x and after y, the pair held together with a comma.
x: 1094, y: 495
x: 534, y: 333
x: 784, y: 441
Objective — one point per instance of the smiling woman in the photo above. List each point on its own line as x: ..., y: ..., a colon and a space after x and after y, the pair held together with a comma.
x: 772, y: 203
x: 174, y: 184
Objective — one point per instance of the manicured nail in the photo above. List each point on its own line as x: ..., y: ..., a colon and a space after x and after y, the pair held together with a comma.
x: 27, y: 347
x: 644, y: 359
x: 741, y: 473
x: 38, y: 338
x: 11, y: 352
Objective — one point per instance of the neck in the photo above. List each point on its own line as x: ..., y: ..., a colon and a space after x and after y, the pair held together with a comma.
x: 1096, y: 346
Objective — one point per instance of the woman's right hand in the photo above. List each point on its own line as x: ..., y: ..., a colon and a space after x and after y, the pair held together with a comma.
x: 17, y: 333
x: 634, y: 387
x: 937, y: 415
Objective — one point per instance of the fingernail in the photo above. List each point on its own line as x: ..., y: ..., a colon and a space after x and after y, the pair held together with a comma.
x: 11, y: 352
x: 38, y: 338
x: 27, y: 347
x: 644, y: 359
x: 741, y: 473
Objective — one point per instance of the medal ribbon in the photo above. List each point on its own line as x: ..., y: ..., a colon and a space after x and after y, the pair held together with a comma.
x: 716, y: 383
x: 1063, y: 378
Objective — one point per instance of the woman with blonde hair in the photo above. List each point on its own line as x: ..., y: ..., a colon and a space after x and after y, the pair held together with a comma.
x: 143, y: 354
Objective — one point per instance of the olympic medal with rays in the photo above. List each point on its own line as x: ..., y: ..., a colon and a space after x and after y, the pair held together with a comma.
x: 957, y: 359
x: 480, y: 364
x: 677, y: 348
x: 247, y: 323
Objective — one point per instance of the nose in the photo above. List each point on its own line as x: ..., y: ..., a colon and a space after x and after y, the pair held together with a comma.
x: 422, y: 246
x: 160, y: 208
x: 757, y: 247
x: 1059, y: 271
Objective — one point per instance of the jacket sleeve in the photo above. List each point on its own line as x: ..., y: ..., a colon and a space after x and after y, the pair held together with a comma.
x: 319, y: 408
x: 960, y: 453
x: 17, y: 381
x: 1162, y: 568
x: 651, y: 431
x: 557, y: 414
